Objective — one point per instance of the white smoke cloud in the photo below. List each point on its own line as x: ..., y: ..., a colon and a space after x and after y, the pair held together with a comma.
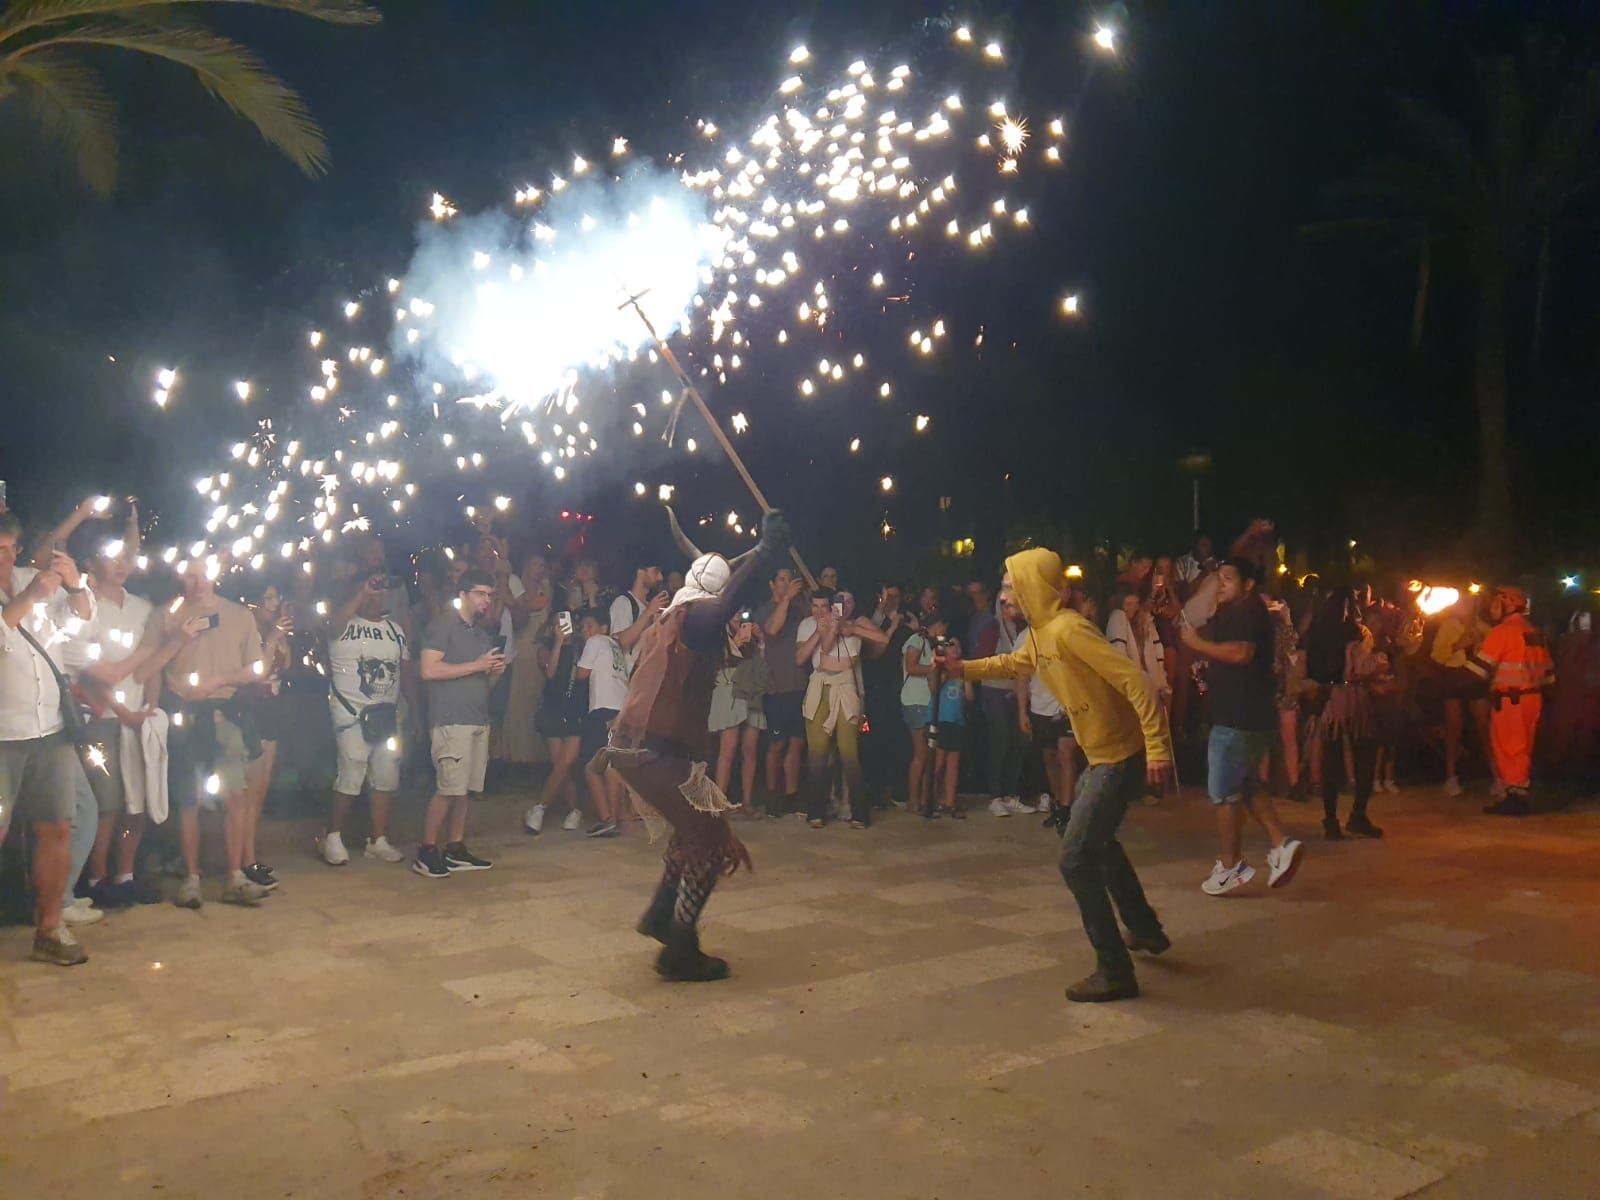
x: 518, y: 307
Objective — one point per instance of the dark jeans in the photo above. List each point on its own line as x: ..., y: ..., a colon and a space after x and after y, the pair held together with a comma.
x: 1097, y: 869
x: 886, y: 747
x: 1004, y: 741
x: 1364, y: 755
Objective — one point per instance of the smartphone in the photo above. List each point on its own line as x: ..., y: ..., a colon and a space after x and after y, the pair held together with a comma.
x: 1160, y: 582
x: 564, y: 623
x: 746, y: 616
x: 2, y: 493
x: 213, y: 620
x: 500, y: 643
x: 838, y: 610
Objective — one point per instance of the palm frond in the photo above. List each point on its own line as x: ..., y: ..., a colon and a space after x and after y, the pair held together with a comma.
x: 24, y: 15
x: 227, y: 70
x: 69, y: 106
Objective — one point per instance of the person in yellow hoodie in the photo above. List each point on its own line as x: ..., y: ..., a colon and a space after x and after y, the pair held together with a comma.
x: 1123, y: 733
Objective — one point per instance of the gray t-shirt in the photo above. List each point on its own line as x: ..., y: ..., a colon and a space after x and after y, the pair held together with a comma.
x: 463, y: 701
x: 787, y: 675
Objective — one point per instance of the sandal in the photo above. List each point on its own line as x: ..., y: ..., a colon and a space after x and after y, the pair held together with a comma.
x: 816, y: 822
x: 957, y: 814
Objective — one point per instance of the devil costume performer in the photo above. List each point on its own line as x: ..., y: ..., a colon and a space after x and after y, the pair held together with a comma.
x: 657, y: 735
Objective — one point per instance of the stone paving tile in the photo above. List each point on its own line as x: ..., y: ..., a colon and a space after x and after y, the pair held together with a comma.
x: 1323, y: 1161
x: 894, y: 1026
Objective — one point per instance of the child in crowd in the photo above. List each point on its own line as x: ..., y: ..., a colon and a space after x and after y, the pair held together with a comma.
x: 603, y: 666
x: 916, y: 699
x: 950, y: 720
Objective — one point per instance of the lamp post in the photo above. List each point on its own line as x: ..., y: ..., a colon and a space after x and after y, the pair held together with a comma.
x: 1195, y: 464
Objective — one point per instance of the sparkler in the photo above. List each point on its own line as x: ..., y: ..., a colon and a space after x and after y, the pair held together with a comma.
x: 505, y: 322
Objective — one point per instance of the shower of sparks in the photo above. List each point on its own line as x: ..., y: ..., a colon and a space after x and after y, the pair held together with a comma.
x: 515, y: 335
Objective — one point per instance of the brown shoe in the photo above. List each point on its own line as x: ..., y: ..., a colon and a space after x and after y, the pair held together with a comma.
x: 1097, y: 989
x: 1159, y: 944
x: 59, y: 948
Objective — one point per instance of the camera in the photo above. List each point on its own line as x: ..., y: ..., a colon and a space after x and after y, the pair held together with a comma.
x: 940, y: 645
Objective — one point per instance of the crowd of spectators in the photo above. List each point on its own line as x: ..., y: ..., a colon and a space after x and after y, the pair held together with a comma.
x: 132, y: 691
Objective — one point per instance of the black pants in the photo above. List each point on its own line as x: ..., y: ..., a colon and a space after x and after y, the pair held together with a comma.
x: 1364, y: 753
x: 886, y: 746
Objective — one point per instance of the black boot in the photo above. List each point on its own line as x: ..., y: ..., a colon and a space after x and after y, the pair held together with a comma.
x: 657, y: 920
x: 680, y: 960
x: 1514, y: 805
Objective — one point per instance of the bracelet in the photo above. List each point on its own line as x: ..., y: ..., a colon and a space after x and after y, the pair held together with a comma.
x: 77, y: 591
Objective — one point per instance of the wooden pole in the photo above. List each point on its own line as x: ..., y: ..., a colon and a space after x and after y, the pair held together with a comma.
x: 716, y: 429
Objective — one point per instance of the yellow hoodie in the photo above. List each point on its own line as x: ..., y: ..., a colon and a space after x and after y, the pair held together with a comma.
x: 1113, y: 711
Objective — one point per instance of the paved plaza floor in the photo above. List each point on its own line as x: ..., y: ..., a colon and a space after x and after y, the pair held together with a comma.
x: 1419, y: 1016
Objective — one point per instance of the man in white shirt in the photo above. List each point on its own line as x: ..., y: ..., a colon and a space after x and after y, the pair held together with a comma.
x: 637, y: 609
x: 830, y: 639
x: 604, y: 665
x: 37, y: 762
x: 367, y: 653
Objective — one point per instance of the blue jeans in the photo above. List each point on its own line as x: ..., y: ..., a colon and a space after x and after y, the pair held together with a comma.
x: 1233, y: 763
x: 1003, y: 739
x: 1097, y: 870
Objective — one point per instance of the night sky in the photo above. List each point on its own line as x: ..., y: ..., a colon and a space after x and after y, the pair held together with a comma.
x: 1212, y: 320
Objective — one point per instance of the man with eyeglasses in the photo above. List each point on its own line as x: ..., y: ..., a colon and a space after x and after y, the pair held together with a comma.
x: 460, y: 663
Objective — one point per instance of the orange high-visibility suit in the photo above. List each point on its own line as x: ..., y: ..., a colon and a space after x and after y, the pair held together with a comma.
x: 1516, y: 662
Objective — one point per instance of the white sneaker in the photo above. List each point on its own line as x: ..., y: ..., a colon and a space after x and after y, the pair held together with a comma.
x: 1225, y: 879
x: 998, y: 807
x: 380, y: 849
x: 1284, y: 861
x: 81, y: 914
x: 533, y: 822
x: 1497, y: 789
x: 1452, y: 786
x: 1392, y: 788
x: 1044, y: 803
x: 574, y: 821
x: 1017, y: 807
x: 333, y: 851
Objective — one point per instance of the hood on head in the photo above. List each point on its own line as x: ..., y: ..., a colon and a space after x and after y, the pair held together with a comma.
x: 707, y: 576
x: 1036, y: 578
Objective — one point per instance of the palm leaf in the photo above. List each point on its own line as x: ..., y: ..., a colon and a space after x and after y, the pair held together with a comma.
x: 69, y: 106
x: 23, y: 15
x: 228, y: 71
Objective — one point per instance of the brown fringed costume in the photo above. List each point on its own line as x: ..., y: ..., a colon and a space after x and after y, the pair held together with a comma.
x: 657, y: 734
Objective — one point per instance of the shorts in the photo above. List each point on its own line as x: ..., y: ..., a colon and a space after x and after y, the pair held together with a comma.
x: 1233, y: 762
x: 186, y: 778
x: 106, y: 735
x: 951, y: 736
x: 1047, y: 731
x: 38, y: 779
x: 596, y: 732
x: 360, y: 762
x: 785, y: 718
x: 460, y: 758
x: 559, y: 717
x: 1458, y: 683
x: 916, y: 717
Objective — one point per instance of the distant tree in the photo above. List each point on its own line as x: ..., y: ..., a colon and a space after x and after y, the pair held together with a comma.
x: 42, y: 68
x: 1487, y: 185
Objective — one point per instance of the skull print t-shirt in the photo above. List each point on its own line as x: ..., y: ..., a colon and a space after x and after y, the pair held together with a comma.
x: 366, y: 660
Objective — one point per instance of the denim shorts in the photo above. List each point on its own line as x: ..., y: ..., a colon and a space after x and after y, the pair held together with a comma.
x: 1233, y: 760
